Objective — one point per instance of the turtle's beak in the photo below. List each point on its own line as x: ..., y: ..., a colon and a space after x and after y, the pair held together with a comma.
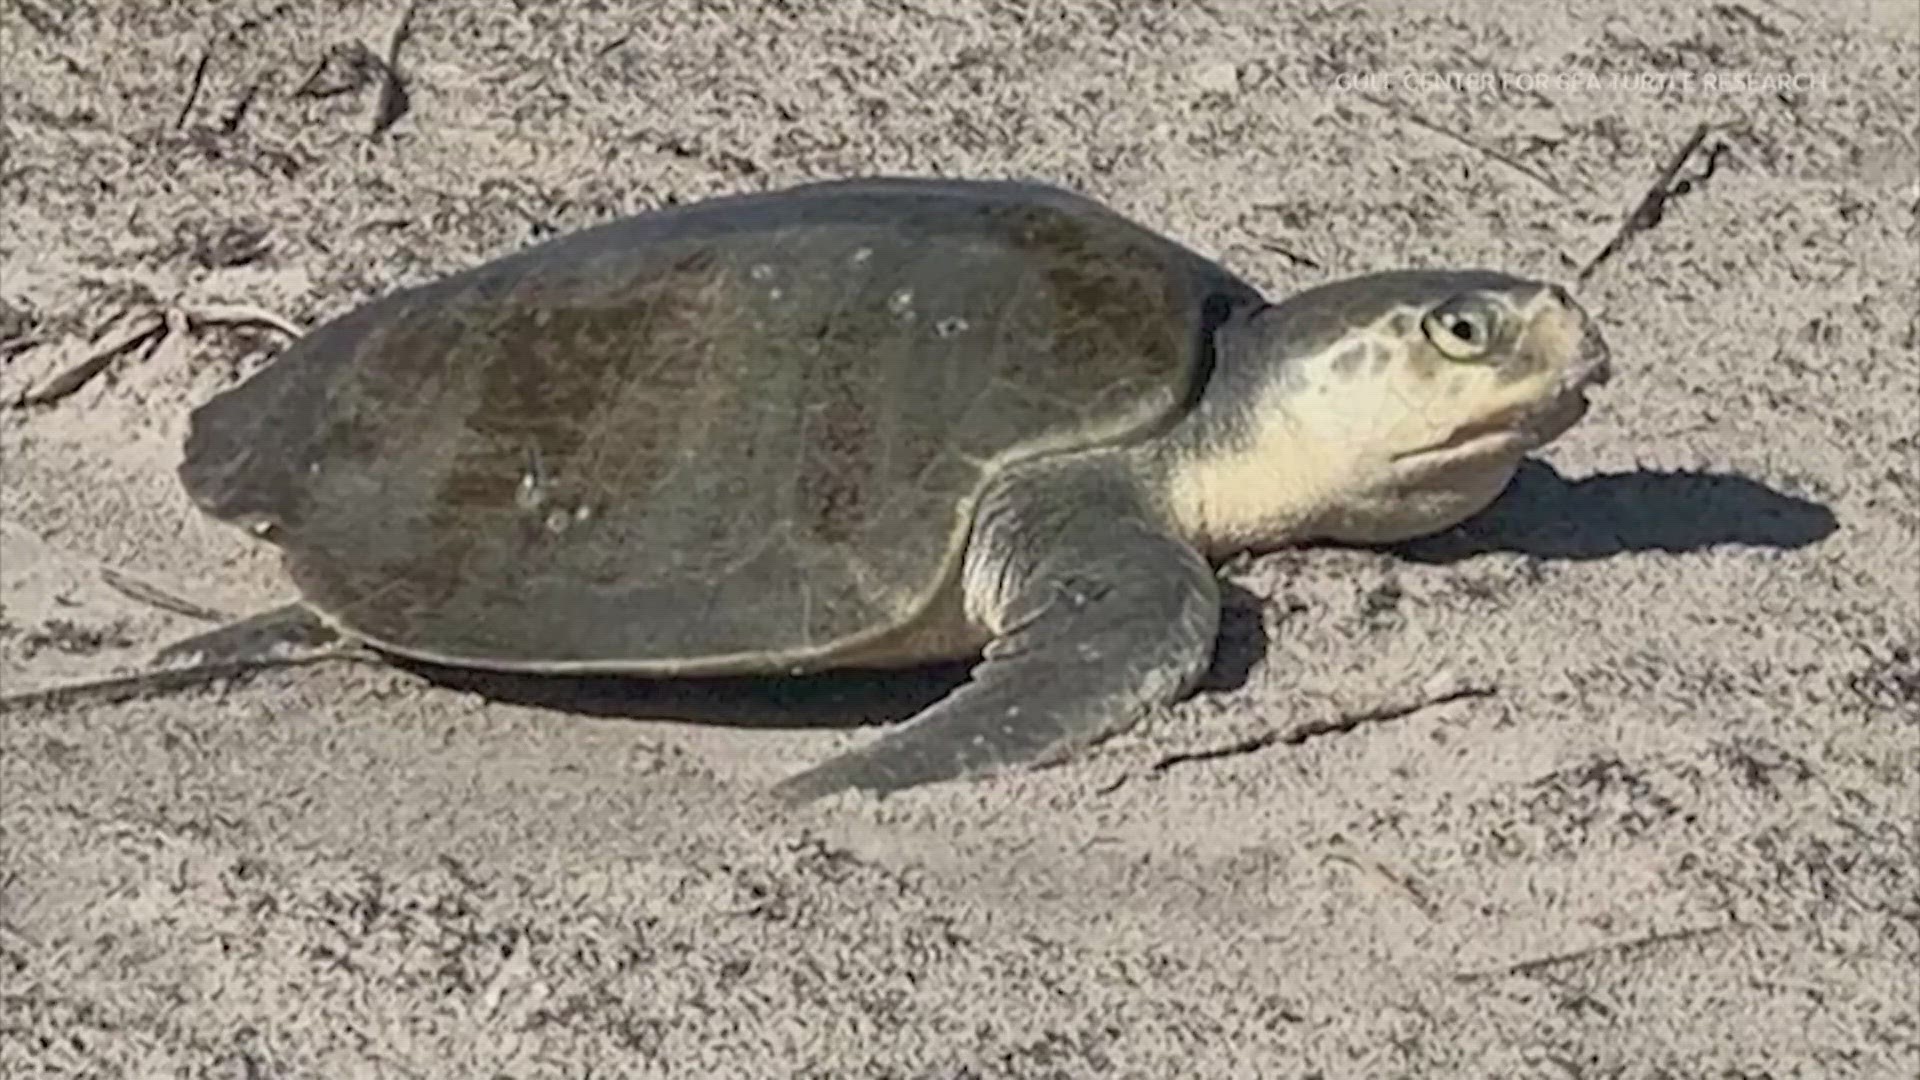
x: 1590, y: 365
x: 1593, y: 361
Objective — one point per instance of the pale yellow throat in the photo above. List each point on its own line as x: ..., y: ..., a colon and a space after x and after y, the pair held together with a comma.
x: 1264, y: 494
x: 1290, y: 485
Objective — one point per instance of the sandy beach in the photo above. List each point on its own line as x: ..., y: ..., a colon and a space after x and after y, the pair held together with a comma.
x: 1620, y: 779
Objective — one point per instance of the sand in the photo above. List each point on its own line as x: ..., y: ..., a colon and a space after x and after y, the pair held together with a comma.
x: 1616, y: 781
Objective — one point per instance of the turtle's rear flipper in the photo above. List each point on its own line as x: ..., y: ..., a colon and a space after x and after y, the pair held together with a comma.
x: 272, y: 633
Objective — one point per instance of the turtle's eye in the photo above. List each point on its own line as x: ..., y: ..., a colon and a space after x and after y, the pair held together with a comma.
x: 1461, y: 328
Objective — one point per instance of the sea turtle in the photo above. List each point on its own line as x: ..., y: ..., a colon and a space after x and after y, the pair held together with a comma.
x: 866, y: 424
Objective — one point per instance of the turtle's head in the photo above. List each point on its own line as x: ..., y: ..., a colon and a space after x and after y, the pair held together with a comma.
x: 1383, y: 407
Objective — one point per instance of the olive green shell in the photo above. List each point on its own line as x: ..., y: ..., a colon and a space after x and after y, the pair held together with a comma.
x: 736, y: 435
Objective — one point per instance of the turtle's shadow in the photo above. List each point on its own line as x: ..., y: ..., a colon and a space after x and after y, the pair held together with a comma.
x: 1541, y: 514
x: 837, y: 699
x: 1544, y: 515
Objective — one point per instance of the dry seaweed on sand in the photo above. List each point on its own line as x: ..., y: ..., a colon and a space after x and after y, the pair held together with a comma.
x: 150, y: 332
x: 1667, y: 186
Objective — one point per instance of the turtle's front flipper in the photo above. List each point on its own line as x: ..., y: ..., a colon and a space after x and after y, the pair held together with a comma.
x: 1100, y: 614
x: 271, y: 632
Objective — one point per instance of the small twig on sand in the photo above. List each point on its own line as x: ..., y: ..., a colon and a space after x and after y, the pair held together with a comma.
x: 199, y: 315
x: 1401, y: 882
x: 193, y: 89
x: 1338, y: 725
x: 355, y: 57
x: 1775, y: 7
x: 394, y: 101
x: 1620, y: 948
x: 154, y: 596
x: 127, y: 687
x: 1417, y: 120
x: 1652, y: 207
x: 309, y: 86
x: 70, y: 381
x: 238, y: 114
x: 1291, y: 256
x: 154, y: 329
x: 1347, y: 722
